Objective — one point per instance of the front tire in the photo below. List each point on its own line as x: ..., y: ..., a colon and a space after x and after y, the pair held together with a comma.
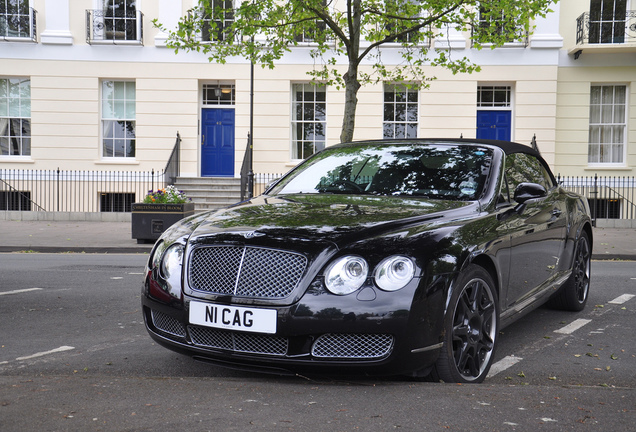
x: 471, y: 325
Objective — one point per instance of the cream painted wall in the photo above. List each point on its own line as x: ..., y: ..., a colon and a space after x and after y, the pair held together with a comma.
x: 573, y: 116
x: 65, y: 95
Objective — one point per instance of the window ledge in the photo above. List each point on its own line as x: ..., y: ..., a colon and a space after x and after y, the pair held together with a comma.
x: 116, y: 42
x: 17, y: 159
x: 117, y: 161
x: 26, y: 39
x: 607, y: 168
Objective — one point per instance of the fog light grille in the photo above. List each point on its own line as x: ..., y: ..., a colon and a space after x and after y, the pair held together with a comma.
x: 238, y: 342
x: 167, y: 324
x: 353, y: 346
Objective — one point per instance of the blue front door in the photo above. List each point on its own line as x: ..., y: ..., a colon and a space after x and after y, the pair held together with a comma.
x: 494, y: 125
x: 217, y: 142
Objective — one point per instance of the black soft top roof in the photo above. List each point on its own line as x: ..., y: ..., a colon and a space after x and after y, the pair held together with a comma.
x: 508, y: 147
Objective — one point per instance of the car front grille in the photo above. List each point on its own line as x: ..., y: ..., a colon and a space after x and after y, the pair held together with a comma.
x: 245, y: 271
x: 353, y: 346
x: 167, y: 324
x: 238, y: 342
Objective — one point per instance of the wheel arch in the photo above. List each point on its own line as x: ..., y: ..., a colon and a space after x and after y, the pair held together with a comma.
x: 488, y: 264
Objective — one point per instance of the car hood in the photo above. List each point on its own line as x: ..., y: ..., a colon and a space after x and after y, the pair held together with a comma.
x: 331, y: 218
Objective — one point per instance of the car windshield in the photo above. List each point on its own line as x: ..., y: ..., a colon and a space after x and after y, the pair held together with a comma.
x: 438, y: 171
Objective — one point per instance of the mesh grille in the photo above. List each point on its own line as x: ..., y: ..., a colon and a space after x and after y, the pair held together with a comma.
x: 368, y: 346
x: 239, y: 342
x: 167, y: 324
x: 246, y: 271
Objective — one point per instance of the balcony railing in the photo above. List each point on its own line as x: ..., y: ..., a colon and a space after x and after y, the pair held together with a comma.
x: 19, y: 26
x: 107, y: 27
x: 597, y: 29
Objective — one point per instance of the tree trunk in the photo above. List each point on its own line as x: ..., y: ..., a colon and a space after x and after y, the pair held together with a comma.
x: 352, y: 85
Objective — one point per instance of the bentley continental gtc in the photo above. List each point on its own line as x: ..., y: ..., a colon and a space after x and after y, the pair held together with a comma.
x: 399, y: 257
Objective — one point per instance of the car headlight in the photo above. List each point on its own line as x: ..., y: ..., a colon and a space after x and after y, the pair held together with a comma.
x: 157, y: 254
x: 346, y: 274
x: 171, y: 265
x: 394, y: 273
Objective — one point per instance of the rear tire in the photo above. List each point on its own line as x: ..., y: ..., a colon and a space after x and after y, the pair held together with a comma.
x: 470, y: 327
x: 572, y: 296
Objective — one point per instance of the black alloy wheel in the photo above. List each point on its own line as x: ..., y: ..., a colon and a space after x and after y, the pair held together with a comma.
x: 574, y: 293
x: 471, y: 327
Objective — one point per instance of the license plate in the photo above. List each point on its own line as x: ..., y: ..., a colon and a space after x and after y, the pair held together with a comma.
x: 233, y: 318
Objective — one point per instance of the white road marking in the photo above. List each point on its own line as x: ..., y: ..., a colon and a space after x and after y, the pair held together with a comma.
x: 622, y: 299
x: 20, y: 291
x: 573, y: 326
x: 502, y: 365
x: 41, y: 354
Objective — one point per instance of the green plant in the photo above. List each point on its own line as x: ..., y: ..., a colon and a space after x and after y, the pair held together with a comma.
x: 169, y: 195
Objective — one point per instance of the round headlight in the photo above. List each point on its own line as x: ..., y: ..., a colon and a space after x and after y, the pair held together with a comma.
x: 346, y: 275
x: 394, y: 273
x: 157, y: 254
x: 171, y: 262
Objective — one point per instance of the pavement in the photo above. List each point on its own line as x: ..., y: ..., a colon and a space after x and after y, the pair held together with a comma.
x: 116, y: 237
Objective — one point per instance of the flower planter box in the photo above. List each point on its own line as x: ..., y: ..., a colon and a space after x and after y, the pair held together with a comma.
x: 149, y: 221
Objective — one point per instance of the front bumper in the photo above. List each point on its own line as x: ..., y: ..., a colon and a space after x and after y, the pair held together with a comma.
x: 371, y: 332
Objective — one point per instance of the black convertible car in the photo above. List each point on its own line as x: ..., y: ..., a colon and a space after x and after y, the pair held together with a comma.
x: 385, y: 257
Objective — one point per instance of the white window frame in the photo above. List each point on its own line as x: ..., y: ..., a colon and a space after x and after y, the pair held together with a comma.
x: 21, y: 116
x: 396, y: 89
x: 31, y: 31
x: 126, y: 118
x: 318, y: 144
x: 521, y: 41
x: 225, y: 20
x: 596, y: 142
x: 98, y: 34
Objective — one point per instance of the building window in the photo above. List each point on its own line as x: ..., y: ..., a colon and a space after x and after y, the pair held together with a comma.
x: 608, y: 123
x: 309, y: 119
x: 312, y: 31
x: 218, y: 94
x: 17, y: 19
x: 117, y: 20
x: 400, y: 112
x: 216, y: 27
x: 116, y: 202
x: 493, y: 96
x: 493, y: 24
x: 15, y: 200
x: 118, y: 119
x: 15, y: 116
x: 395, y: 26
x: 120, y: 19
x: 607, y: 21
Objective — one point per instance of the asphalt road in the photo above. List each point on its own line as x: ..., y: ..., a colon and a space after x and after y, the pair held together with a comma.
x: 74, y: 355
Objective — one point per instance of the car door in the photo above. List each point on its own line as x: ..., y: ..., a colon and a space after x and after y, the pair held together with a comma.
x: 536, y: 229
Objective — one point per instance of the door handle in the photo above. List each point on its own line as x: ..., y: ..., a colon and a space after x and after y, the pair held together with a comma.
x: 556, y: 212
x: 202, y: 140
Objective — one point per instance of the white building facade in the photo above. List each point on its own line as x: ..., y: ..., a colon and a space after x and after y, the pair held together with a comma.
x: 91, y: 85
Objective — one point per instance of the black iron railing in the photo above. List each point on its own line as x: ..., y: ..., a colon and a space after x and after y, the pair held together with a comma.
x: 173, y: 167
x: 17, y: 26
x: 75, y: 191
x: 247, y: 175
x: 597, y: 28
x: 110, y: 26
x: 609, y: 197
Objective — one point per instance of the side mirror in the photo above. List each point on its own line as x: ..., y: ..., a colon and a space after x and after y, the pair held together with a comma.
x: 528, y: 191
